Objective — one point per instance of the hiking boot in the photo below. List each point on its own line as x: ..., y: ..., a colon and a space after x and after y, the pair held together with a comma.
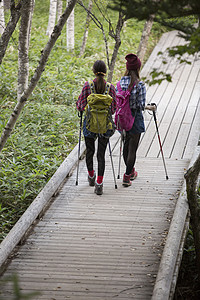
x: 133, y: 174
x: 98, y: 188
x: 126, y: 180
x: 91, y: 180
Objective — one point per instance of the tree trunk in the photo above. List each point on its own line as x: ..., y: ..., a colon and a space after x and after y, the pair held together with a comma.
x: 144, y: 38
x: 14, y: 18
x: 38, y: 72
x: 191, y: 184
x: 99, y: 25
x: 52, y: 17
x: 2, y: 20
x: 6, y: 4
x: 117, y: 45
x: 59, y: 8
x: 24, y: 38
x: 86, y: 29
x: 70, y: 31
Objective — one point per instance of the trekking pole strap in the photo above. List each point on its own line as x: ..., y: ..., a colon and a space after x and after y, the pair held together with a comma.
x: 80, y: 114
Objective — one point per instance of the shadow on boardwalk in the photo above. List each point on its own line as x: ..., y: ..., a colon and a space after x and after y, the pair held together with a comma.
x: 110, y: 247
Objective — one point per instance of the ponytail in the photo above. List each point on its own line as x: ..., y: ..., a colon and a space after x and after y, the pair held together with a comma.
x: 99, y: 69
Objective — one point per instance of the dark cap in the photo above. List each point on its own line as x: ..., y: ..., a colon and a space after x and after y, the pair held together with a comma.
x: 133, y: 62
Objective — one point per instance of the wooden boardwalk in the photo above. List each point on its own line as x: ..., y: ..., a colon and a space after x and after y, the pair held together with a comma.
x: 109, y: 247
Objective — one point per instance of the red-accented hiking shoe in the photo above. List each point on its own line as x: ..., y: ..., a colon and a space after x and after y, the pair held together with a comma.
x: 91, y: 180
x: 98, y: 188
x: 134, y: 174
x: 126, y: 180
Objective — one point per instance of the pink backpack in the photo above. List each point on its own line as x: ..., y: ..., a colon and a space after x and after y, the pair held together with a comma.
x: 123, y: 116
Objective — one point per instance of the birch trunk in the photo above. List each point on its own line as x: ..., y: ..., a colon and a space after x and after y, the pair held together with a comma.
x: 2, y: 20
x: 52, y: 17
x: 191, y: 185
x: 59, y: 8
x: 38, y: 72
x: 144, y: 38
x: 116, y: 47
x: 24, y: 39
x: 70, y: 31
x: 14, y: 18
x: 100, y: 26
x: 86, y: 29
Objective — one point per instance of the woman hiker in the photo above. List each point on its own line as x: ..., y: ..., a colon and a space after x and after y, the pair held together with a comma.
x: 99, y: 69
x: 137, y: 104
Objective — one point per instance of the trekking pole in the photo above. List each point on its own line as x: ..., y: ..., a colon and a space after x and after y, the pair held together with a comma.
x: 154, y: 116
x: 112, y: 164
x: 120, y: 153
x: 80, y: 115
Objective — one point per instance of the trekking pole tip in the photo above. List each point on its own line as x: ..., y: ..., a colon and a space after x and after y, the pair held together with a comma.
x: 167, y: 177
x: 76, y: 182
x: 118, y: 177
x: 115, y: 186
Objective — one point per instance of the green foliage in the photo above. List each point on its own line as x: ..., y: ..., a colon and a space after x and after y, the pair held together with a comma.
x: 157, y: 77
x: 188, y: 279
x: 181, y: 15
x: 17, y: 294
x: 44, y: 136
x: 48, y: 126
x: 177, y: 14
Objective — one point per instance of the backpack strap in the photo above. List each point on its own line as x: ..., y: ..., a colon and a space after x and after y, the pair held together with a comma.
x: 119, y: 86
x: 120, y: 89
x: 92, y: 87
x: 107, y: 88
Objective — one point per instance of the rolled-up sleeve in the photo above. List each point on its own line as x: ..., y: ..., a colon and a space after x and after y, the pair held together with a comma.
x: 142, y: 96
x: 82, y: 99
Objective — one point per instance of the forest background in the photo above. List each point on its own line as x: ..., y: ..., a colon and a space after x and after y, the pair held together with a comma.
x: 47, y: 129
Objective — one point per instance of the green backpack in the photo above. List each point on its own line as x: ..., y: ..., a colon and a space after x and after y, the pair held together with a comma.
x: 98, y: 111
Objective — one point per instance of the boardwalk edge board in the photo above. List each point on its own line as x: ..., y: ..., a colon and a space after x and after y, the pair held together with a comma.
x: 167, y: 267
x: 30, y: 215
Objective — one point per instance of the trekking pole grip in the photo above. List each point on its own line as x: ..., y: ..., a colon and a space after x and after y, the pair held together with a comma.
x: 80, y: 114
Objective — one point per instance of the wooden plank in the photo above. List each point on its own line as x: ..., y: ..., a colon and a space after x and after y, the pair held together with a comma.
x: 154, y: 60
x: 195, y: 126
x: 150, y: 138
x: 36, y: 207
x: 171, y: 137
x: 170, y: 123
x: 107, y: 238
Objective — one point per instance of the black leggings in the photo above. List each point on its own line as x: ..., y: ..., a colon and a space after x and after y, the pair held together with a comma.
x: 90, y: 150
x: 129, y: 151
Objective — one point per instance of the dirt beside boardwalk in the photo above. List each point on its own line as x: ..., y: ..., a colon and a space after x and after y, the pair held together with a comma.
x: 188, y: 284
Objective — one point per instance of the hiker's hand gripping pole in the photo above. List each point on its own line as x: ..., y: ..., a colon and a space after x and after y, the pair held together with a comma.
x: 80, y: 115
x: 154, y: 116
x: 151, y: 107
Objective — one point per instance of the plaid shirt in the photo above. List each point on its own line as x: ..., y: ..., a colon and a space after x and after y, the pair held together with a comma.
x: 138, y: 93
x: 86, y: 91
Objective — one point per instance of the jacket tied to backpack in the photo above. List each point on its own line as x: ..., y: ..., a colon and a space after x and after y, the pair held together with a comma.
x: 98, y: 111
